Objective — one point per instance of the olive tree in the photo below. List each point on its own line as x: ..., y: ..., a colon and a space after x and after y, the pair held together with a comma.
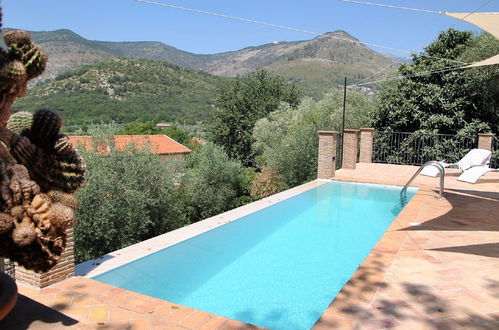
x: 240, y: 103
x: 287, y: 141
x: 213, y: 183
x: 130, y: 196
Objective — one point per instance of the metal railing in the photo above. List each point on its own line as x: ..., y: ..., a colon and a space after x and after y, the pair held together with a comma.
x: 418, y: 148
x: 441, y: 170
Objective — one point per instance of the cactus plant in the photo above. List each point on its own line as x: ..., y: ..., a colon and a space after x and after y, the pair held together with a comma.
x: 20, y: 122
x: 45, y: 127
x: 58, y: 196
x: 35, y: 158
x: 17, y: 212
x: 63, y: 146
x: 21, y: 62
x: 63, y: 216
x: 24, y: 234
x: 6, y: 222
x: 22, y: 49
x: 65, y: 172
x: 13, y: 72
x: 17, y: 37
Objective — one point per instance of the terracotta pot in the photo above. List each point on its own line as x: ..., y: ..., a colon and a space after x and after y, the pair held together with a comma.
x: 8, y: 294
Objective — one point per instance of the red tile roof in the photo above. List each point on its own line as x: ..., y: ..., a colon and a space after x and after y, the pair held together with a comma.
x: 160, y: 144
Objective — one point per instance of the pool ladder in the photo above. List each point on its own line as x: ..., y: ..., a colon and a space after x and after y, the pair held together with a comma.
x: 403, y: 192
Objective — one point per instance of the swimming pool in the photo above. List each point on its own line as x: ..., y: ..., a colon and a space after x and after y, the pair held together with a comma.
x: 279, y: 267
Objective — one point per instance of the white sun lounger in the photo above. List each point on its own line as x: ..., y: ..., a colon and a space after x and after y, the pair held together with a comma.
x: 471, y: 175
x: 475, y: 157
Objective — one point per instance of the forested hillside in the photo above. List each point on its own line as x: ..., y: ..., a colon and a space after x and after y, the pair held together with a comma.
x: 125, y: 90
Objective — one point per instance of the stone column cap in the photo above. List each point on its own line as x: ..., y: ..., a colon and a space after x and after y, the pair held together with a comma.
x: 327, y: 132
x: 351, y: 130
x: 367, y: 129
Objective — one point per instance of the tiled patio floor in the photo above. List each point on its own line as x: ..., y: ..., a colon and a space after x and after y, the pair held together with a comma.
x: 441, y: 274
x: 87, y: 304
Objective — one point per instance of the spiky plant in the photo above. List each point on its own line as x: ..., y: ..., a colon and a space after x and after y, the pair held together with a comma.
x: 20, y: 122
x: 45, y: 127
x: 35, y: 158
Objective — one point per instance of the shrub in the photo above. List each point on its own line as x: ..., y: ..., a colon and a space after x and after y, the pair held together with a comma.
x: 213, y: 182
x: 266, y: 183
x: 287, y: 139
x: 241, y: 102
x: 130, y: 196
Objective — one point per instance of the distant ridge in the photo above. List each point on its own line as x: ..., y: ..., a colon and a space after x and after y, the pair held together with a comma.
x: 316, y: 65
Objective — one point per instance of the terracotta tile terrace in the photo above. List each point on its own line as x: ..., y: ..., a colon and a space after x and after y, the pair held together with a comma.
x: 435, y: 268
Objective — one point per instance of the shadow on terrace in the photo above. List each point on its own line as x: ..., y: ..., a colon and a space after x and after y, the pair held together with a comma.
x: 470, y: 210
x: 440, y: 274
x: 28, y: 313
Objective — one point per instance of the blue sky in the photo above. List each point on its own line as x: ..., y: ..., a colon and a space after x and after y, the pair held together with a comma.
x: 129, y: 20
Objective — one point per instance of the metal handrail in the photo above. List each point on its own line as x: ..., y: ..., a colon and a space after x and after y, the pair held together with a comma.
x: 440, y: 167
x: 417, y: 148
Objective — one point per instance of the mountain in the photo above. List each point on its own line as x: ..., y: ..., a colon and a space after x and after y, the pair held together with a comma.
x: 125, y: 90
x: 315, y: 65
x: 321, y: 64
x: 397, y: 59
x: 68, y: 50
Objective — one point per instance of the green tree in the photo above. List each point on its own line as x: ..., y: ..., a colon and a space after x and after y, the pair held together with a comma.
x: 130, y: 196
x: 452, y: 102
x: 241, y: 102
x: 213, y: 183
x: 286, y: 141
x: 176, y: 133
x: 139, y: 128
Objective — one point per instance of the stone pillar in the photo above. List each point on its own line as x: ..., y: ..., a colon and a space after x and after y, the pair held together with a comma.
x: 64, y: 268
x: 366, y: 145
x: 485, y: 141
x: 350, y: 148
x: 326, y: 163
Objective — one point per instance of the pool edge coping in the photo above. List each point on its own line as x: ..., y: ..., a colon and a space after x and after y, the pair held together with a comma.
x: 334, y: 314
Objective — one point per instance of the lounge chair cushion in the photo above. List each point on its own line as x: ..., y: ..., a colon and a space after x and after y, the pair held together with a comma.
x: 475, y: 157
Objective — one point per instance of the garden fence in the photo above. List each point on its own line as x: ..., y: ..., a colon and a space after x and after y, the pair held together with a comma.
x: 417, y: 148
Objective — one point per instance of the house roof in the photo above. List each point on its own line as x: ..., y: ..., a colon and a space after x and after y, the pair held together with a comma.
x: 160, y: 144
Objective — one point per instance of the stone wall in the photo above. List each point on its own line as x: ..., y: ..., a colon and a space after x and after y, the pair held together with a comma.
x: 326, y: 162
x: 366, y: 145
x: 350, y: 148
x: 61, y: 271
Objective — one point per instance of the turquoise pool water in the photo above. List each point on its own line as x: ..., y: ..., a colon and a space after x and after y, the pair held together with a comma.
x: 279, y: 267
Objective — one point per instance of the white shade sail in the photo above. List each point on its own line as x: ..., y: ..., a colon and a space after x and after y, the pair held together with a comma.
x: 486, y: 21
x: 490, y: 61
